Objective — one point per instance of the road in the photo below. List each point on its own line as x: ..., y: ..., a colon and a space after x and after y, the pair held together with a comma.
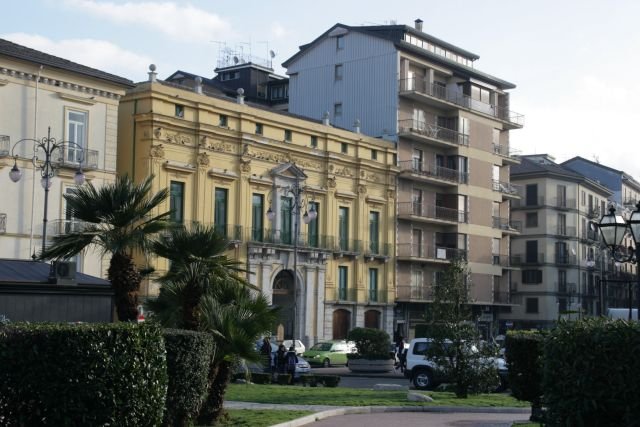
x: 422, y: 419
x: 361, y: 381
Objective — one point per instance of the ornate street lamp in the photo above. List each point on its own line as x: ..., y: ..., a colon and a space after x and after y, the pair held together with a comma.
x: 300, y: 203
x: 613, y: 229
x: 47, y: 168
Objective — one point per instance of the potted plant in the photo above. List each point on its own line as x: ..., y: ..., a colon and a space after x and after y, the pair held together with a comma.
x: 372, y: 351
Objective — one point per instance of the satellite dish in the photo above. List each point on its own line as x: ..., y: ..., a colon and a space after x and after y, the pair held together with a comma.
x: 272, y: 54
x: 235, y: 60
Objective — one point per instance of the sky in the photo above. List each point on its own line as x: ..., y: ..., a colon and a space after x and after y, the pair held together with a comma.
x: 573, y: 61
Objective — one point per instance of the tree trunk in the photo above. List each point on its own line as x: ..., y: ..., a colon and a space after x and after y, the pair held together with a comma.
x: 125, y: 279
x: 212, y: 407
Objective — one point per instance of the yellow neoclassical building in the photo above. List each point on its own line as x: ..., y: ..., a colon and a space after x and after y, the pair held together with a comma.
x: 255, y: 173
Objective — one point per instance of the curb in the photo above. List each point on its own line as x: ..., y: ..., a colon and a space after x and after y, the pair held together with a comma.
x: 308, y: 419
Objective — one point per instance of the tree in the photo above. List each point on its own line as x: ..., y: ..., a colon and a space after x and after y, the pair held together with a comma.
x: 456, y: 347
x: 118, y: 218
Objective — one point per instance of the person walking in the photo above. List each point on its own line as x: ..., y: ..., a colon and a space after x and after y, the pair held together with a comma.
x: 281, y: 359
x: 265, y: 352
x: 292, y: 361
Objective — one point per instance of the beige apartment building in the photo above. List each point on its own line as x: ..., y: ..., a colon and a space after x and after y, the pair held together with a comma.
x: 232, y: 164
x: 451, y: 124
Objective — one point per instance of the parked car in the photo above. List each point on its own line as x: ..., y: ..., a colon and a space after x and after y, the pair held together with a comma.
x: 425, y: 373
x: 302, y: 367
x: 329, y: 353
x: 299, y: 347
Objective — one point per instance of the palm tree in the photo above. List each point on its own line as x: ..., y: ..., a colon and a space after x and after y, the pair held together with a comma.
x: 236, y: 316
x: 118, y: 218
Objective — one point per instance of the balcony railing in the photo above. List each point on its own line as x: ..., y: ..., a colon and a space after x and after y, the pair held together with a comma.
x: 421, y: 252
x: 377, y: 249
x: 230, y: 232
x: 434, y: 171
x: 563, y: 203
x: 73, y: 158
x: 58, y: 227
x: 501, y: 297
x: 5, y: 145
x: 505, y: 187
x: 629, y: 201
x: 376, y: 295
x: 505, y: 224
x: 345, y: 294
x: 566, y: 288
x: 505, y: 150
x: 565, y: 231
x: 594, y: 212
x: 414, y: 292
x: 465, y: 101
x: 523, y: 259
x: 504, y: 260
x: 565, y: 259
x: 432, y: 131
x: 3, y: 223
x: 432, y: 211
x: 342, y: 245
x: 285, y: 238
x: 526, y: 203
x: 590, y: 235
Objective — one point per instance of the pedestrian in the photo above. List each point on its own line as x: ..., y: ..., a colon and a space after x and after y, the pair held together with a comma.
x: 292, y: 361
x: 265, y: 352
x: 281, y: 359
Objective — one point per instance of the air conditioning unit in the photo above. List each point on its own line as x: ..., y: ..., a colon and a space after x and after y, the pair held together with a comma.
x: 63, y: 272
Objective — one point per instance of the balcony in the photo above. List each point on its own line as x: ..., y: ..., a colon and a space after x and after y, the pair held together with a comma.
x: 528, y: 259
x: 414, y: 293
x: 507, y: 227
x: 3, y: 223
x: 502, y: 297
x: 593, y: 212
x: 343, y: 295
x: 434, y: 174
x: 508, y: 155
x: 5, y: 145
x: 342, y: 246
x: 430, y: 213
x: 504, y: 261
x: 59, y: 227
x: 565, y: 232
x: 566, y: 288
x: 565, y: 259
x: 590, y: 235
x: 528, y: 203
x: 508, y: 190
x: 629, y: 202
x: 377, y: 250
x: 563, y: 203
x: 72, y: 158
x: 431, y: 134
x: 435, y: 94
x: 428, y: 254
x: 376, y: 296
x: 281, y: 238
x: 231, y: 232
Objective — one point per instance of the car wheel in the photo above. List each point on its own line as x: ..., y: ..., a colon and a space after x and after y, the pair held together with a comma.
x: 422, y: 380
x: 326, y: 363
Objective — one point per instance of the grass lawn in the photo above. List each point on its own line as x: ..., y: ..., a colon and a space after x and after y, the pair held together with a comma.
x: 357, y: 397
x: 259, y: 417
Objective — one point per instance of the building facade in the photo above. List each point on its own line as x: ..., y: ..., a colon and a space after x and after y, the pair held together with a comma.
x: 558, y: 250
x: 78, y: 104
x: 451, y: 124
x: 229, y: 164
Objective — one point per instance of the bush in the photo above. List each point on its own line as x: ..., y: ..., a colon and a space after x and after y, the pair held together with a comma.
x: 259, y: 378
x: 372, y: 344
x: 188, y: 356
x: 284, y: 379
x: 590, y: 374
x: 308, y: 379
x: 329, y: 380
x: 524, y: 361
x: 92, y: 374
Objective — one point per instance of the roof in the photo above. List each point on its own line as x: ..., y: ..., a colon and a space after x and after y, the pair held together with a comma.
x: 625, y: 175
x: 35, y: 272
x: 24, y: 53
x: 395, y: 33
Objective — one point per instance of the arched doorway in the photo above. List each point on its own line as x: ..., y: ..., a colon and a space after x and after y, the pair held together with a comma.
x: 283, y: 298
x: 372, y: 319
x: 341, y: 324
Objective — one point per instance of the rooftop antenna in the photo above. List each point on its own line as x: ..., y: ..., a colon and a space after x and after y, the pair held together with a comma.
x: 272, y: 54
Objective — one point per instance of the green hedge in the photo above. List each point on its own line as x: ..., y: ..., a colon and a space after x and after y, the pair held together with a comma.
x: 373, y: 344
x: 90, y: 375
x: 524, y: 360
x: 188, y: 356
x: 592, y: 373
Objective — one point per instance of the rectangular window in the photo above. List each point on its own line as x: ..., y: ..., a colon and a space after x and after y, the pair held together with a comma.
x: 374, y: 154
x: 532, y: 305
x: 220, y: 212
x: 416, y: 248
x: 343, y: 277
x: 257, y: 217
x: 531, y: 220
x: 314, y: 141
x: 176, y: 202
x: 287, y: 135
x: 179, y: 111
x: 259, y: 129
x: 340, y: 42
x: 417, y: 158
x: 531, y: 194
x: 416, y: 202
x: 223, y: 121
x: 344, y: 148
x: 337, y: 110
x: 343, y: 228
x: 313, y: 226
x: 562, y: 224
x: 532, y: 251
x: 76, y: 133
x: 286, y: 212
x: 373, y: 284
x: 338, y: 72
x: 561, y: 196
x: 531, y: 277
x: 374, y: 232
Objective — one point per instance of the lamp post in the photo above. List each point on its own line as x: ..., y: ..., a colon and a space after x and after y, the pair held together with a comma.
x: 47, y: 169
x: 296, y: 192
x: 613, y: 229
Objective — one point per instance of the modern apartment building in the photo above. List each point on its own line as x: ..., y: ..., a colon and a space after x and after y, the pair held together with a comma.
x: 78, y: 104
x: 558, y: 249
x: 229, y: 164
x: 451, y: 124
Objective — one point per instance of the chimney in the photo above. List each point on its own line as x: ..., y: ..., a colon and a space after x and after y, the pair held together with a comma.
x: 240, y: 97
x: 356, y: 126
x: 198, y: 88
x: 152, y: 73
x: 418, y: 24
x: 325, y: 119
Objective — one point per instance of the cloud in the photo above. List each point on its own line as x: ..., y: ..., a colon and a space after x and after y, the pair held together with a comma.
x: 278, y: 31
x: 182, y: 22
x: 99, y: 54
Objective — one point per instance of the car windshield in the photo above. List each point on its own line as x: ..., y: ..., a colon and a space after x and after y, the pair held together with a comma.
x: 321, y: 346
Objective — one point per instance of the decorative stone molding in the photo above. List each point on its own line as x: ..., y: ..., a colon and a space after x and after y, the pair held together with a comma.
x: 375, y: 200
x: 177, y: 167
x: 250, y: 152
x: 362, y: 189
x: 369, y: 176
x: 391, y: 194
x: 157, y: 151
x: 177, y: 138
x: 203, y: 159
x: 348, y: 195
x: 223, y: 147
x: 224, y: 175
x: 307, y: 164
x: 80, y: 99
x: 331, y: 182
x: 245, y: 166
